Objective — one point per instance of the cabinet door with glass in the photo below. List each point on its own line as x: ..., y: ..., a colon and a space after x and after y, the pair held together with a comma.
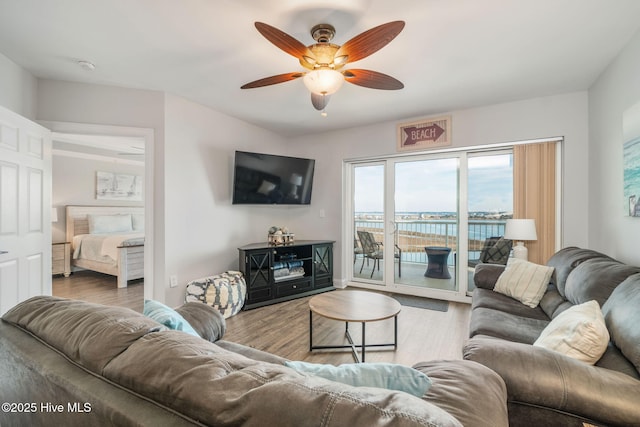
x: 323, y: 265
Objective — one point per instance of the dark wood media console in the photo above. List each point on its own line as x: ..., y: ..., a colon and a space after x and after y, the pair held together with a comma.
x: 280, y: 273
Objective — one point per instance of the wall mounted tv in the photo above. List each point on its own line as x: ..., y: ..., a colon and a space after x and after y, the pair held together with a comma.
x: 272, y: 180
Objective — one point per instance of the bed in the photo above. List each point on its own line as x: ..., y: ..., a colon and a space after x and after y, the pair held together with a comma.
x: 107, y: 239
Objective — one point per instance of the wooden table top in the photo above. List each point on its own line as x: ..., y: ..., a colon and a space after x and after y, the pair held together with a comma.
x: 354, y: 306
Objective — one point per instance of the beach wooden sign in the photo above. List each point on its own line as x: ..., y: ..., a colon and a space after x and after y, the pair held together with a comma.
x: 425, y: 134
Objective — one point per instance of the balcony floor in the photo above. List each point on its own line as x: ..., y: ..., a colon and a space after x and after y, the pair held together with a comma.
x: 412, y: 274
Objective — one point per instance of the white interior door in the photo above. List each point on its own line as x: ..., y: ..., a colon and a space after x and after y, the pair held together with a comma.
x: 25, y: 209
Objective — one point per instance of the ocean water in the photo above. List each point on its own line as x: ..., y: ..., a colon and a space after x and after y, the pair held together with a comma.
x: 631, y: 165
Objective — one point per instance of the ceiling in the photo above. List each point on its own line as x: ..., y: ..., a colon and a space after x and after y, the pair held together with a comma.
x: 452, y: 54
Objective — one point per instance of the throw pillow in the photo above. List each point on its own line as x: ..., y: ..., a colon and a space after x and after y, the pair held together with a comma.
x: 102, y: 224
x: 579, y: 332
x: 167, y: 317
x: 498, y: 253
x: 524, y: 281
x: 381, y: 375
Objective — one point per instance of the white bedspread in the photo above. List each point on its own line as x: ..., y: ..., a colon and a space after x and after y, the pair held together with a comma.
x: 103, y: 247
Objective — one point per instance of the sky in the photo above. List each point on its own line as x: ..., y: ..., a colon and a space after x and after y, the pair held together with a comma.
x: 431, y: 185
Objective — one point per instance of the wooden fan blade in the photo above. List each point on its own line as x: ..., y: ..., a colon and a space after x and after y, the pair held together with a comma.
x: 372, y: 79
x: 319, y: 101
x: 283, y: 40
x: 280, y: 78
x: 370, y: 41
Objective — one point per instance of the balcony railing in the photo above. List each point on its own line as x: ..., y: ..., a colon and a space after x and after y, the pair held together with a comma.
x: 413, y: 235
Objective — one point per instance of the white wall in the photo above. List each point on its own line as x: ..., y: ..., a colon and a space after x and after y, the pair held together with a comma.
x: 59, y: 101
x: 203, y: 228
x: 74, y: 183
x: 17, y: 88
x: 610, y: 229
x: 561, y: 115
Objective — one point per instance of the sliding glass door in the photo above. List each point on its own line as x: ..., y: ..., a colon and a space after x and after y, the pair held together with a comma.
x: 418, y: 222
x: 425, y: 220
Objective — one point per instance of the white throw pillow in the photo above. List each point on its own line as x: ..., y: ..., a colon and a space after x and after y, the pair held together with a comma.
x: 102, y: 224
x: 525, y: 281
x: 578, y: 332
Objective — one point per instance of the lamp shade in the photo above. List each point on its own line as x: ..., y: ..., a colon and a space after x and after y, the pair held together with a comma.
x: 520, y: 229
x: 323, y: 81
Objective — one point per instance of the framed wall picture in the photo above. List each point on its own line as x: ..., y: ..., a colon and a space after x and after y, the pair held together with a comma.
x: 118, y: 186
x: 425, y: 134
x: 631, y: 159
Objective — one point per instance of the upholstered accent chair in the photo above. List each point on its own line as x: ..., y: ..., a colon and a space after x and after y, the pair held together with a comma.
x: 495, y: 250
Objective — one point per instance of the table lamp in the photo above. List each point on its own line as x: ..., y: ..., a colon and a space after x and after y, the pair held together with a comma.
x: 520, y: 230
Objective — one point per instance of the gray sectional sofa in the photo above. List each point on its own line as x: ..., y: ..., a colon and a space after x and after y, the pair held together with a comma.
x: 72, y: 363
x: 546, y: 388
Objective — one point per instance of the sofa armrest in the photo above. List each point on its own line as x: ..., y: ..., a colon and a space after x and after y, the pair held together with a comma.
x: 541, y: 377
x: 486, y: 275
x: 206, y: 320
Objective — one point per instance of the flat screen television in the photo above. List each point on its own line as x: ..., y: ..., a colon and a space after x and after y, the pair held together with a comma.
x: 271, y: 180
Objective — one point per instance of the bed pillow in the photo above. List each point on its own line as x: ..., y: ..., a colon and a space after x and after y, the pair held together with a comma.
x: 381, y: 375
x: 524, y: 281
x: 103, y: 224
x: 579, y: 332
x: 167, y: 317
x: 137, y: 222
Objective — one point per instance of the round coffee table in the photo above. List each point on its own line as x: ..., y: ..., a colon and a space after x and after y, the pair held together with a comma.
x: 354, y: 306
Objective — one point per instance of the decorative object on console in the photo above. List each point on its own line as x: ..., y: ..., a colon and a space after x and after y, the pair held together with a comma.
x: 225, y: 292
x: 520, y: 230
x: 280, y: 236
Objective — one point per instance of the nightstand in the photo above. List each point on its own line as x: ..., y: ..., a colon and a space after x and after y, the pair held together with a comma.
x: 61, y: 258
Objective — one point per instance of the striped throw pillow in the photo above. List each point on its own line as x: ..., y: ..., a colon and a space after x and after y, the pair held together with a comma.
x: 524, y: 281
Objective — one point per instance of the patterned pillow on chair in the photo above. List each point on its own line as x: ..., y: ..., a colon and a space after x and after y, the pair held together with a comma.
x: 498, y: 253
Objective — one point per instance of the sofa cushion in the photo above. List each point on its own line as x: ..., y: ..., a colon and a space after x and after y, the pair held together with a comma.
x: 622, y: 316
x: 565, y: 260
x: 578, y: 332
x: 469, y: 391
x: 206, y: 320
x: 496, y: 323
x: 537, y: 377
x: 524, y: 281
x: 382, y: 375
x: 89, y: 334
x: 497, y: 301
x: 486, y: 275
x: 595, y: 279
x: 218, y: 387
x: 167, y: 316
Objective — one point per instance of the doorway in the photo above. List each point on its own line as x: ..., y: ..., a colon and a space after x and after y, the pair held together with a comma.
x: 122, y: 147
x: 425, y: 213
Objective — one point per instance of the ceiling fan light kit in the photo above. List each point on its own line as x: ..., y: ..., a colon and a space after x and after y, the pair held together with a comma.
x: 323, y: 60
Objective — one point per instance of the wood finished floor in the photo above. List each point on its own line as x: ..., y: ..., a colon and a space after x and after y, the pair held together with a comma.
x: 283, y: 328
x: 99, y: 288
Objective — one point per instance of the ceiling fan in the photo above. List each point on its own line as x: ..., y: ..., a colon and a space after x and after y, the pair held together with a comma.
x: 325, y: 60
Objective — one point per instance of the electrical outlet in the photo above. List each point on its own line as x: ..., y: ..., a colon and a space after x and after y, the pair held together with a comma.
x: 173, y: 281
x: 322, y: 213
